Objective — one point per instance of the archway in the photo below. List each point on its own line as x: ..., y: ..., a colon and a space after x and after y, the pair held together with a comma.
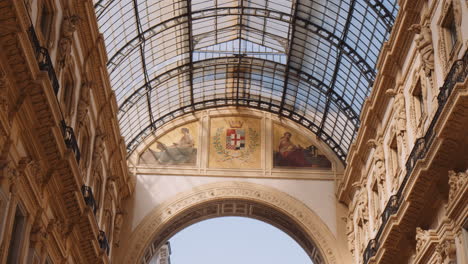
x: 231, y: 240
x: 234, y: 199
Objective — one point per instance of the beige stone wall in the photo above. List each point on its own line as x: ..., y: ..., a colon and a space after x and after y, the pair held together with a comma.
x: 52, y: 144
x: 401, y: 110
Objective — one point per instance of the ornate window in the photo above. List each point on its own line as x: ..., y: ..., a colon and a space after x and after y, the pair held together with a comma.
x: 46, y: 22
x: 450, y: 32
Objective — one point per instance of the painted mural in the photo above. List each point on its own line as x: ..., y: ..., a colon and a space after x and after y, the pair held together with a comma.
x: 177, y: 147
x: 295, y: 151
x: 235, y: 142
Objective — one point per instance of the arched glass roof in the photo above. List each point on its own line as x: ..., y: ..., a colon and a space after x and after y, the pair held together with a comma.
x: 312, y: 61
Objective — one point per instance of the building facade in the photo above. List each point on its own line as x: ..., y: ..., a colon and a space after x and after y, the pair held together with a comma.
x: 88, y: 176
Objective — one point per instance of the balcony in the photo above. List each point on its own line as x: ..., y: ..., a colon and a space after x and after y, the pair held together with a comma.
x: 89, y: 198
x: 103, y: 243
x: 458, y: 73
x: 45, y: 64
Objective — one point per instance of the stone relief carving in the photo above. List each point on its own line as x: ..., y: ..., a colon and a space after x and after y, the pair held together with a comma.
x: 425, y: 47
x: 400, y: 121
x: 446, y: 252
x: 362, y: 209
x: 350, y: 233
x: 456, y: 182
x: 98, y: 150
x: 118, y: 222
x: 422, y: 236
x: 69, y: 25
x: 83, y: 104
x: 362, y: 205
x: 380, y: 172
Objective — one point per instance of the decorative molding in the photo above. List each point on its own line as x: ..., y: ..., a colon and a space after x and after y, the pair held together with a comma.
x: 449, y: 56
x: 276, y: 202
x: 457, y: 181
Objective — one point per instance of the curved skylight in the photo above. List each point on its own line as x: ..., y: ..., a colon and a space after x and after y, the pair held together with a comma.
x: 310, y: 61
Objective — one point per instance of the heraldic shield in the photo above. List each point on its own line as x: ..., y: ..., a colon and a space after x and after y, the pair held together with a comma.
x: 235, y: 139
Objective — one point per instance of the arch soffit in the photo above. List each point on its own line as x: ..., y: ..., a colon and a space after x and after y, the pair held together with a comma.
x: 164, y: 215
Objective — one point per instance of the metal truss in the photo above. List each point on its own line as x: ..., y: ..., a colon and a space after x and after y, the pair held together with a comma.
x: 127, y: 105
x: 320, y: 31
x: 310, y: 61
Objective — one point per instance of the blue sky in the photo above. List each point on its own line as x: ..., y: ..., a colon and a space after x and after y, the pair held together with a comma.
x: 235, y: 240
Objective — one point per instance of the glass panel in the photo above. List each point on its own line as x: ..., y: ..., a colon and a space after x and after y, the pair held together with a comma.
x: 315, y: 58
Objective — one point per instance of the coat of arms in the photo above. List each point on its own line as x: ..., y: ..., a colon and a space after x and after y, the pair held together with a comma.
x: 240, y: 143
x: 235, y: 136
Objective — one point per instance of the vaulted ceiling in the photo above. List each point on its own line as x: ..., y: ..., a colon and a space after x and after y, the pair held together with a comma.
x: 312, y: 61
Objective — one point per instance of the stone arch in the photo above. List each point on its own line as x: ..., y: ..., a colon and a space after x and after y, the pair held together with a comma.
x: 247, y: 199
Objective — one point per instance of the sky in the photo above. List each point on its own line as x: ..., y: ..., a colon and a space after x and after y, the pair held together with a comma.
x: 235, y: 240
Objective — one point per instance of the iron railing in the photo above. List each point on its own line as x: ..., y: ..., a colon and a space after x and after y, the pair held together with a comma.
x: 44, y: 60
x: 45, y: 64
x: 103, y: 243
x: 70, y: 140
x: 458, y: 73
x: 89, y: 198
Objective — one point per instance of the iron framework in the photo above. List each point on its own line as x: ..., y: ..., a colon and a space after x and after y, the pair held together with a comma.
x: 310, y: 61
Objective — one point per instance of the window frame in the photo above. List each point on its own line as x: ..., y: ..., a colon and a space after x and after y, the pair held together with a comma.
x: 49, y: 40
x: 448, y: 52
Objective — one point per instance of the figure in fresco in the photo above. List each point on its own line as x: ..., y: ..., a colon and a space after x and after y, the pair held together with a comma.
x: 180, y: 152
x: 292, y: 155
